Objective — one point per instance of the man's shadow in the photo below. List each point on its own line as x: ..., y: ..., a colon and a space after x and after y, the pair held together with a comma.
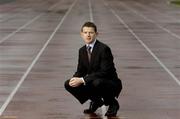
x: 96, y: 116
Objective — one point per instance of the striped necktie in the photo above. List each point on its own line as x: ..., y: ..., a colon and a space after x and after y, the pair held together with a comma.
x: 89, y: 52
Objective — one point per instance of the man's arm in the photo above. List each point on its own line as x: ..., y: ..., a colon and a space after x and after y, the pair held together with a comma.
x: 77, y: 78
x: 106, y: 66
x: 80, y: 68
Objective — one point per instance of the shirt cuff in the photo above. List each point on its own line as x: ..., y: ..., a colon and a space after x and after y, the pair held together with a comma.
x: 83, y: 81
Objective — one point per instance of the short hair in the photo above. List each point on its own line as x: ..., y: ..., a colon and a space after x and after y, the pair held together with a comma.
x: 89, y: 24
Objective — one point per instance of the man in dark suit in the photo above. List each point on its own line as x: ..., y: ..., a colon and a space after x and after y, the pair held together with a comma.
x: 96, y: 78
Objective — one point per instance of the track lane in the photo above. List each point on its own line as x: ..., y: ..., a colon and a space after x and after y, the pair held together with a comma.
x: 137, y: 68
x: 46, y: 88
x: 10, y: 28
x: 168, y: 52
x: 10, y: 54
x: 164, y: 22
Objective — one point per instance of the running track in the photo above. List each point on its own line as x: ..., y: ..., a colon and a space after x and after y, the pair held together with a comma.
x: 39, y: 42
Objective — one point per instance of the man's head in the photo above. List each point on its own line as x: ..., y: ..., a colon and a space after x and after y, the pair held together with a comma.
x: 89, y: 32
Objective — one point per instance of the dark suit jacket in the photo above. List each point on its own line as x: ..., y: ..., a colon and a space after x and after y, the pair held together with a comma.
x: 100, y: 67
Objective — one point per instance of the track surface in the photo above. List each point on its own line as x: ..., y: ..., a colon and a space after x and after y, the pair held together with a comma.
x: 39, y: 42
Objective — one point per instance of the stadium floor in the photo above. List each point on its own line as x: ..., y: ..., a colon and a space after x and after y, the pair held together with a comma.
x: 39, y: 42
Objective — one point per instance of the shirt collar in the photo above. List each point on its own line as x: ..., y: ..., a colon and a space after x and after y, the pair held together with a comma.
x: 91, y: 44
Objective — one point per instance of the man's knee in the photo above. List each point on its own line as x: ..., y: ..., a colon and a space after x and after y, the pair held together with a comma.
x: 97, y: 83
x: 66, y: 84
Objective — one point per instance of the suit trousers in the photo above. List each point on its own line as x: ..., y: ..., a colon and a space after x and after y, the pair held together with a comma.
x: 97, y: 89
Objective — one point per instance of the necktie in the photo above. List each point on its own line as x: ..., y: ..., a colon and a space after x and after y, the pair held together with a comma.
x: 89, y: 52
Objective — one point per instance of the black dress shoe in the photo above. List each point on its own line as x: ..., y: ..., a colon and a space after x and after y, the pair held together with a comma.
x: 113, y: 108
x: 93, y: 107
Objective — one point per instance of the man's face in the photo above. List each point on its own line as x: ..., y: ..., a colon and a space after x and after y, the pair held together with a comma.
x: 88, y: 34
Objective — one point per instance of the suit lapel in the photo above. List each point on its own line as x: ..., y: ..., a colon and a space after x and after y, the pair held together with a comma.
x: 85, y: 55
x: 95, y: 50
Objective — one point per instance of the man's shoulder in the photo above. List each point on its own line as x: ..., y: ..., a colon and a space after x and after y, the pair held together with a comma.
x: 82, y: 48
x: 102, y: 45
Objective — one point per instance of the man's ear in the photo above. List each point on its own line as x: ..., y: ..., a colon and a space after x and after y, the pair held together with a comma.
x: 97, y: 33
x: 81, y: 33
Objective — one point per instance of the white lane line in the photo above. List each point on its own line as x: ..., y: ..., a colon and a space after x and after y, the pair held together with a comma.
x: 54, y: 6
x: 144, y: 45
x: 3, y: 107
x: 103, y: 108
x: 151, y: 21
x: 23, y: 26
x: 90, y: 11
x: 155, y: 10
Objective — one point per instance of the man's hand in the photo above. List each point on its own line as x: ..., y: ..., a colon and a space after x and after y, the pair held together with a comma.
x: 75, y: 82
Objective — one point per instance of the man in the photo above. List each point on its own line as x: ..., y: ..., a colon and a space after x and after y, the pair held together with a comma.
x: 96, y: 78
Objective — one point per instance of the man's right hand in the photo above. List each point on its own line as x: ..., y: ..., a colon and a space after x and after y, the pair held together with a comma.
x: 76, y: 81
